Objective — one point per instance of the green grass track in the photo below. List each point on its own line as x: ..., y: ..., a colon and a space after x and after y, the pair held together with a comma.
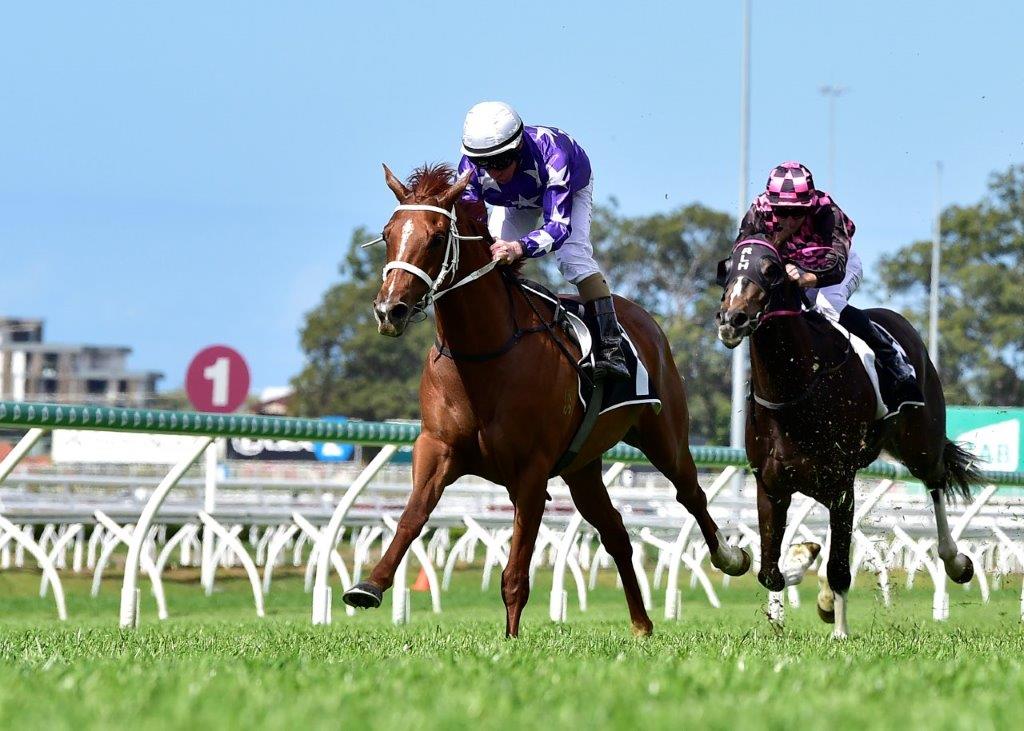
x: 214, y: 665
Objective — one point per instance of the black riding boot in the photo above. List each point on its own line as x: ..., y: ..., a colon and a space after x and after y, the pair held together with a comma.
x: 610, y: 362
x: 904, y: 387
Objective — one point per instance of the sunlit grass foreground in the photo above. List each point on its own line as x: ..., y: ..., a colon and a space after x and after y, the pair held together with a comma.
x: 213, y: 664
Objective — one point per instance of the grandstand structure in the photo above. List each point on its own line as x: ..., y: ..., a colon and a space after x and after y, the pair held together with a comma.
x: 33, y: 369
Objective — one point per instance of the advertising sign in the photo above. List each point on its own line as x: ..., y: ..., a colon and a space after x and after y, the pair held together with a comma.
x: 992, y: 433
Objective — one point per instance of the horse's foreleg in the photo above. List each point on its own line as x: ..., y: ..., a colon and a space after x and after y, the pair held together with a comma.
x: 840, y: 518
x: 515, y: 579
x: 771, y: 519
x: 434, y: 468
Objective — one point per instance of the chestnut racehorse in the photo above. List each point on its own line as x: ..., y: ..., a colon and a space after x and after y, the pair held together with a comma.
x: 498, y: 398
x: 811, y: 419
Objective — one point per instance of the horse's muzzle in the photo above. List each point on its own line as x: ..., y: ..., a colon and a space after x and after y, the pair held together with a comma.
x: 392, y: 317
x: 729, y: 336
x: 733, y: 326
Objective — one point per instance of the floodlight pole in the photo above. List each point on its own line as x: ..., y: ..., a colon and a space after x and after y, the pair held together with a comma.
x: 933, y: 294
x: 737, y: 423
x: 832, y: 92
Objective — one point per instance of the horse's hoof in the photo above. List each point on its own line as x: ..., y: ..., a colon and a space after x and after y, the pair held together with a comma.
x: 798, y: 559
x: 748, y: 561
x: 363, y: 595
x: 828, y: 616
x: 643, y: 630
x: 826, y: 603
x: 968, y: 571
x: 738, y: 567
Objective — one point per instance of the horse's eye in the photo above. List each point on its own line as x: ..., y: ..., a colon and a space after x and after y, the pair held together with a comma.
x: 437, y: 240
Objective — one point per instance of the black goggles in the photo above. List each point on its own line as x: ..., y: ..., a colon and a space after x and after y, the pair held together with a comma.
x: 790, y: 212
x: 497, y: 162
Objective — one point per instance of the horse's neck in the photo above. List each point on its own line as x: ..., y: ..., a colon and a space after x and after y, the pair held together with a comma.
x: 783, y: 358
x: 474, y: 318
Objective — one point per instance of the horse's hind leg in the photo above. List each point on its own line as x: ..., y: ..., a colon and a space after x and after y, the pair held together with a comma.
x: 937, y: 465
x: 664, y: 439
x: 959, y: 566
x: 832, y: 597
x: 945, y: 468
x: 591, y: 499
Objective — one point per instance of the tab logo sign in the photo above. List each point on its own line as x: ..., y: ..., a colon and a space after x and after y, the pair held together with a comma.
x: 996, y: 445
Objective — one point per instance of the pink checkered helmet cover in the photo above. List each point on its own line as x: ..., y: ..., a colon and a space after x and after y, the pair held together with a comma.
x: 791, y: 185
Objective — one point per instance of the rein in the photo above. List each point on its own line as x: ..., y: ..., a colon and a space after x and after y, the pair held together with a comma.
x: 449, y: 265
x: 517, y: 333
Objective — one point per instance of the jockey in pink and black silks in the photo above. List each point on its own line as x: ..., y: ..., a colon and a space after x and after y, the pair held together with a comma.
x: 808, y: 228
x: 815, y: 238
x: 539, y: 185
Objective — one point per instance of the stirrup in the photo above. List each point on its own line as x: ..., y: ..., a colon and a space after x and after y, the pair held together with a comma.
x: 611, y: 368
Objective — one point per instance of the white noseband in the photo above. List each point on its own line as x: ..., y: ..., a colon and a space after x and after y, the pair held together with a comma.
x: 450, y: 263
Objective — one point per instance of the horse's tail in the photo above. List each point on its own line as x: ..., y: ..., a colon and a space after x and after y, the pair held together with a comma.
x: 961, y: 471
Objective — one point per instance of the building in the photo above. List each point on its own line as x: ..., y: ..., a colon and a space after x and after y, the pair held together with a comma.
x: 275, y: 401
x: 34, y: 370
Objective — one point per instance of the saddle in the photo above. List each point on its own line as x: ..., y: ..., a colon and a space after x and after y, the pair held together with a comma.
x: 596, y: 397
x: 882, y: 381
x: 567, y: 311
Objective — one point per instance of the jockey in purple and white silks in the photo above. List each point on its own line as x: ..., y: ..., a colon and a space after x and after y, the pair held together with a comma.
x: 539, y: 185
x: 811, y: 232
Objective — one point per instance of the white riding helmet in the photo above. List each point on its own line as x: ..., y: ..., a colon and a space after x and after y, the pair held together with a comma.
x: 491, y: 128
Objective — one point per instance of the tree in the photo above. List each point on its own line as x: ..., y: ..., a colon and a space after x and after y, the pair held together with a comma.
x: 175, y: 400
x: 350, y: 368
x: 666, y: 263
x: 981, y: 348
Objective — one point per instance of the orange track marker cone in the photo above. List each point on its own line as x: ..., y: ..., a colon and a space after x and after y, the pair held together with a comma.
x: 421, y: 583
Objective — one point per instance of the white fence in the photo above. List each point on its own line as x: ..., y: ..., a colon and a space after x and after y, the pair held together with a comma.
x: 77, y: 522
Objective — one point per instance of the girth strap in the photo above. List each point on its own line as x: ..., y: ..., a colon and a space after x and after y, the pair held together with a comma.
x: 583, y: 433
x: 513, y: 340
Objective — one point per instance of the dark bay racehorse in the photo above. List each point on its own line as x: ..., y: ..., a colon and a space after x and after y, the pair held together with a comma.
x: 499, y: 397
x: 811, y: 421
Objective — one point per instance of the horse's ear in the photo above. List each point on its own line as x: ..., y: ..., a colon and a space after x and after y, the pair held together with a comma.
x: 400, y: 191
x: 722, y: 274
x: 449, y: 197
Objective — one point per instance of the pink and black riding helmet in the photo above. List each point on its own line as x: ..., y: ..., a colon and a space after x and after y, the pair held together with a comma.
x: 790, y: 185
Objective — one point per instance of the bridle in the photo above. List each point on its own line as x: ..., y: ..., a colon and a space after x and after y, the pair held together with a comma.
x: 768, y: 314
x: 449, y: 265
x: 766, y: 287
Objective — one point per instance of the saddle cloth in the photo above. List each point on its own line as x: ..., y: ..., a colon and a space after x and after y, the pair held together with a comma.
x: 637, y: 390
x: 875, y: 373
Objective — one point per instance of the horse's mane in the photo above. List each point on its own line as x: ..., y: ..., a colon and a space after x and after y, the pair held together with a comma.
x: 431, y: 180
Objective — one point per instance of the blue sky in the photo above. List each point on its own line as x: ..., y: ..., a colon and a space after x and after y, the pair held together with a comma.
x: 179, y: 174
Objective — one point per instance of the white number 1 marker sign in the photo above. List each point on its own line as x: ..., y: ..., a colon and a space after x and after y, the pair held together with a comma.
x: 217, y: 380
x: 219, y: 373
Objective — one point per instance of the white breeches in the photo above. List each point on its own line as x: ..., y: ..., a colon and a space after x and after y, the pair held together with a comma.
x: 576, y: 254
x: 832, y: 299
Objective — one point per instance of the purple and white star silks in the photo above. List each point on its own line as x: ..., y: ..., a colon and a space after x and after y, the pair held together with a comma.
x: 552, y: 168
